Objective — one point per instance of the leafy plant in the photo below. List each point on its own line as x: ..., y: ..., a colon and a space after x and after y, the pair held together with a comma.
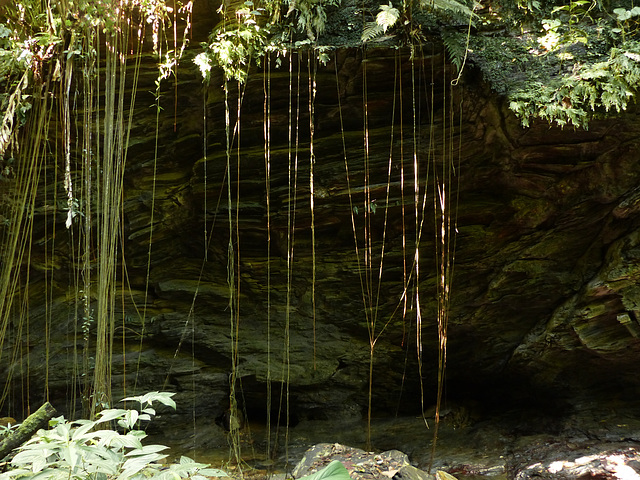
x: 81, y: 450
x: 235, y: 44
x: 386, y: 18
x: 628, y: 21
x: 577, y: 10
x: 559, y: 35
x: 388, y: 15
x: 334, y: 471
x: 311, y: 14
x: 450, y: 7
x: 455, y: 44
x: 7, y: 426
x: 38, y: 38
x: 593, y: 89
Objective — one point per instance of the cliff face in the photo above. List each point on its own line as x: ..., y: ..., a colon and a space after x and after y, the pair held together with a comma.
x: 545, y: 307
x: 559, y: 237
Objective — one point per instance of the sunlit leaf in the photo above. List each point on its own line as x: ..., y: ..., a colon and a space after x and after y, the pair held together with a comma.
x: 111, y: 414
x: 334, y: 471
x: 441, y: 475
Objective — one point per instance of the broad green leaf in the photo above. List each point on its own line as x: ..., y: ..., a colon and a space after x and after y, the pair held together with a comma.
x: 167, y: 475
x: 164, y: 398
x: 127, y: 441
x: 56, y: 420
x: 61, y: 432
x: 129, y: 420
x: 80, y: 433
x: 214, y: 472
x: 146, y: 449
x: 38, y: 464
x: 622, y: 14
x: 135, y: 464
x: 32, y: 458
x: 149, y: 398
x: 70, y: 455
x: 50, y: 474
x: 132, y: 417
x: 334, y: 471
x: 106, y: 437
x: 111, y: 414
x: 16, y: 472
x: 102, y: 466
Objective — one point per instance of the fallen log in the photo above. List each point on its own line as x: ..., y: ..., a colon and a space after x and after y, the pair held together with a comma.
x: 25, y: 431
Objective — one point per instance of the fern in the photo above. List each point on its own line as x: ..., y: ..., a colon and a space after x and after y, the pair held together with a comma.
x: 312, y: 17
x: 235, y: 43
x: 602, y: 87
x: 448, y: 6
x: 386, y: 18
x: 371, y: 30
x: 456, y: 48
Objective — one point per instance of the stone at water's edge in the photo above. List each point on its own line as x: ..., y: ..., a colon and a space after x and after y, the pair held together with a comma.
x: 606, y: 461
x: 361, y: 465
x: 409, y: 472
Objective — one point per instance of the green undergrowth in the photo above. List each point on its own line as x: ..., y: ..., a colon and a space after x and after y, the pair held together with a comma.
x: 564, y: 62
x: 109, y: 447
x: 565, y: 74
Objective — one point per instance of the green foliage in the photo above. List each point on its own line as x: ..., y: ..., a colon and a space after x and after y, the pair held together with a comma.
x: 386, y: 18
x: 573, y: 69
x: 6, y: 430
x: 26, y: 44
x: 38, y: 38
x: 311, y: 15
x: 334, y: 471
x: 242, y: 39
x: 583, y: 64
x: 442, y: 475
x: 593, y: 89
x: 455, y: 44
x: 234, y: 45
x: 559, y: 35
x: 82, y: 449
x: 388, y: 15
x: 628, y: 22
x: 576, y: 10
x: 449, y: 7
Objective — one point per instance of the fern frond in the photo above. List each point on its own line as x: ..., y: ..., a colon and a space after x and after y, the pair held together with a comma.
x: 386, y: 18
x: 371, y: 30
x: 292, y: 7
x: 449, y: 6
x: 456, y: 48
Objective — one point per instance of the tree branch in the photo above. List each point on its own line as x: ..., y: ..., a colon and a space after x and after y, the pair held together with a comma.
x: 25, y: 431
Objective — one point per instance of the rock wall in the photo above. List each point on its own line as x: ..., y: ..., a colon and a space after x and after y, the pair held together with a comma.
x: 544, y: 305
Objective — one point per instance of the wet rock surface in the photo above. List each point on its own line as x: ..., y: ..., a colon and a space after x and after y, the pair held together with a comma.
x: 513, y: 444
x: 540, y: 457
x: 360, y: 464
x: 499, y: 448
